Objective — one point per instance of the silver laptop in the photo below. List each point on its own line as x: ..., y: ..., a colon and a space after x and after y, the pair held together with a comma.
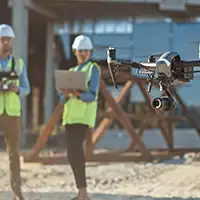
x: 70, y: 80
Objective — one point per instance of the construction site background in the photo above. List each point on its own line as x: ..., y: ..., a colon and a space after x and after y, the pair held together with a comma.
x: 135, y: 37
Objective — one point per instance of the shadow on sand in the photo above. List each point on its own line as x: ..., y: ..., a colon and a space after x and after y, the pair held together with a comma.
x: 96, y: 196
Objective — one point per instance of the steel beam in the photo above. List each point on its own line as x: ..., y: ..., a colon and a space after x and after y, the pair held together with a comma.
x: 20, y: 21
x: 37, y: 8
x: 49, y: 74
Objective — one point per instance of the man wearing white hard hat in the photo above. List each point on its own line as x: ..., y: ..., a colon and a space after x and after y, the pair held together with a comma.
x: 80, y: 111
x: 10, y: 105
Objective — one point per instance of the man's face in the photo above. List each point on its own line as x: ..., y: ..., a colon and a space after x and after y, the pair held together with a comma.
x: 6, y: 44
x: 82, y: 55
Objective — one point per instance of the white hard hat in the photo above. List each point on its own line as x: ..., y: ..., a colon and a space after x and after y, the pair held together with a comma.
x: 82, y: 42
x: 6, y: 31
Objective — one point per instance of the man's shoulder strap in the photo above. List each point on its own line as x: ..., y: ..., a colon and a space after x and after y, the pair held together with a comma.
x: 15, y: 64
x: 96, y: 64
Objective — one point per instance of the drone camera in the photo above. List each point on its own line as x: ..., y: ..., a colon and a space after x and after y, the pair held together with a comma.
x: 163, y: 103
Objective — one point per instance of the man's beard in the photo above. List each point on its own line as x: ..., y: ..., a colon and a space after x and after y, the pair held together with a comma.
x: 82, y: 58
x: 7, y: 50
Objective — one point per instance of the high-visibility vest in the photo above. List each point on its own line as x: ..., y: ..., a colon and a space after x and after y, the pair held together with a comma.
x: 77, y: 111
x: 10, y: 101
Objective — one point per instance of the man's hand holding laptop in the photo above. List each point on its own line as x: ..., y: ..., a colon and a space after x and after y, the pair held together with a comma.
x: 68, y: 92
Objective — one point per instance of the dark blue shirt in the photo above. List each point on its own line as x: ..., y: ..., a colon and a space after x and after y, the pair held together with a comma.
x: 94, y: 82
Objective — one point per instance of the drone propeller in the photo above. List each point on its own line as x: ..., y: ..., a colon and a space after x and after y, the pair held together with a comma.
x: 148, y: 55
x: 102, y: 46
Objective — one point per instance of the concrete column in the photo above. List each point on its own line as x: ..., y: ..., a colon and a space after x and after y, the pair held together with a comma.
x: 20, y: 20
x: 49, y: 75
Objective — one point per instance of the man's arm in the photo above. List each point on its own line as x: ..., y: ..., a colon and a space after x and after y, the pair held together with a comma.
x: 24, y: 88
x: 93, y: 86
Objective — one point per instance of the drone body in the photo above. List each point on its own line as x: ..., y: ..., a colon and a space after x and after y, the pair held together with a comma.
x: 167, y: 70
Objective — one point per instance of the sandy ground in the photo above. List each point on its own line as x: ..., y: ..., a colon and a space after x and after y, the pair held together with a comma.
x: 111, y: 182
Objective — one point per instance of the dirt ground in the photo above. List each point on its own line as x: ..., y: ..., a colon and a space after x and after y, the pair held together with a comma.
x: 111, y: 182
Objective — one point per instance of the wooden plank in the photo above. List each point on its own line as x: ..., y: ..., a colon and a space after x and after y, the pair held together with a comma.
x: 41, y: 141
x: 186, y: 111
x: 160, y: 123
x: 124, y: 120
x: 113, y: 156
x: 106, y: 123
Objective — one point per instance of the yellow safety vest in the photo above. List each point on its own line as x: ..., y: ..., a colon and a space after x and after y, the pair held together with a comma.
x: 10, y: 101
x: 78, y: 111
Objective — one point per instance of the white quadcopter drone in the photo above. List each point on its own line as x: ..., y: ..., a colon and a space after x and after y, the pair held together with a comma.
x: 167, y: 70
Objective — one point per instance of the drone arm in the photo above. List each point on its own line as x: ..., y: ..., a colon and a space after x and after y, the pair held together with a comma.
x: 137, y: 65
x: 185, y: 64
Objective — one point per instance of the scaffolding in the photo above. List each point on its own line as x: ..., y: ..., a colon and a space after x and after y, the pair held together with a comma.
x: 55, y: 12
